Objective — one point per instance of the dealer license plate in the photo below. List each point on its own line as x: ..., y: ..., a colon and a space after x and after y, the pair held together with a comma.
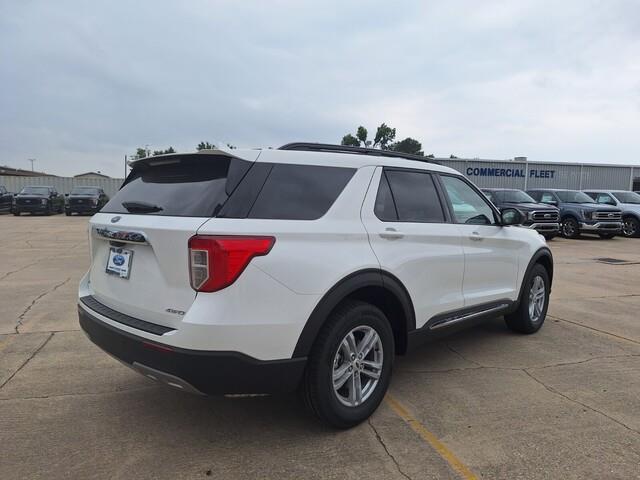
x: 119, y: 262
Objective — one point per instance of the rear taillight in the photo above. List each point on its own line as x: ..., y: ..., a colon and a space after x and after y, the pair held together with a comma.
x: 215, y: 262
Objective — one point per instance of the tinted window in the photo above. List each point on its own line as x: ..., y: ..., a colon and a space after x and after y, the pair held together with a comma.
x: 573, y: 196
x: 489, y: 195
x: 188, y: 185
x: 516, y: 196
x: 35, y: 191
x: 627, y: 197
x: 605, y: 198
x: 468, y: 206
x: 547, y: 197
x: 85, y: 191
x: 300, y: 192
x: 385, y: 208
x: 415, y: 196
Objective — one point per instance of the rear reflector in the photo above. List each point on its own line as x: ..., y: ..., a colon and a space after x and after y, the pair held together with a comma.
x: 215, y: 262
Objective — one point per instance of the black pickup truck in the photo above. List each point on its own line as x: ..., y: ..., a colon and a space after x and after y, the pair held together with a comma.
x: 85, y: 200
x: 6, y: 199
x: 38, y: 199
x: 545, y: 219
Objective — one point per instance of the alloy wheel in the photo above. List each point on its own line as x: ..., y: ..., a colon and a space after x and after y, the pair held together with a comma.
x: 357, y: 366
x: 536, y: 298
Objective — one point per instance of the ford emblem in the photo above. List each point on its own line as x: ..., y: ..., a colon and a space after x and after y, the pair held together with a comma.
x: 115, y: 219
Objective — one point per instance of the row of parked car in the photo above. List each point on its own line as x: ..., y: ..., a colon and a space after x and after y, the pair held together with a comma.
x: 551, y: 212
x: 569, y: 213
x: 46, y: 200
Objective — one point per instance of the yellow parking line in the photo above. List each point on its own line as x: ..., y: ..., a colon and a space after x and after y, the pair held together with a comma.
x: 430, y: 438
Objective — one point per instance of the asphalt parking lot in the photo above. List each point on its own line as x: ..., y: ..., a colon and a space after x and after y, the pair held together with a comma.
x: 485, y: 403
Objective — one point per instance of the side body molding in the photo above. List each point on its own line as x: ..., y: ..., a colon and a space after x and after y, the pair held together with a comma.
x: 343, y: 289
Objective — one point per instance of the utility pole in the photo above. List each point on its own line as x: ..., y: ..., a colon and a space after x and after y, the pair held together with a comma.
x: 146, y: 147
x: 32, y: 160
x: 125, y: 166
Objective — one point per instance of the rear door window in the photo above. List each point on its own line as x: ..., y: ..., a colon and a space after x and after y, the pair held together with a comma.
x: 299, y: 192
x: 408, y: 196
x: 184, y: 186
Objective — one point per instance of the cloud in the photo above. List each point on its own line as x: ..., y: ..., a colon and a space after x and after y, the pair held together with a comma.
x: 85, y: 83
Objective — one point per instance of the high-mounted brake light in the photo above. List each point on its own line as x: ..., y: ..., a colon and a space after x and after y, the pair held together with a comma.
x: 215, y: 262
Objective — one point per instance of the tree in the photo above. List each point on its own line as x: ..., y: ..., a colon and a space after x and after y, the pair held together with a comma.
x: 140, y: 153
x: 350, y: 141
x: 361, y: 135
x: 408, y: 145
x: 452, y: 156
x: 205, y: 146
x: 163, y: 152
x: 384, y: 136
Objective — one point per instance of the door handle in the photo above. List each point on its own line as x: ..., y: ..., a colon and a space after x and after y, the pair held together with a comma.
x: 475, y: 236
x: 391, y: 234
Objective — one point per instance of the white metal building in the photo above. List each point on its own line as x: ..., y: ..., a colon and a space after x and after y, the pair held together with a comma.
x: 522, y: 174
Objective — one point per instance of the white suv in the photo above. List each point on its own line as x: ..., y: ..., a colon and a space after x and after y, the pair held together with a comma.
x: 310, y: 266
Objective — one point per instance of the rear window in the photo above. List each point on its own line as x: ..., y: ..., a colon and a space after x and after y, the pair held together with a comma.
x: 299, y: 192
x: 184, y: 186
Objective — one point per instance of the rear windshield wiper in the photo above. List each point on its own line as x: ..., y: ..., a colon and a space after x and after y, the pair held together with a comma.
x: 141, y: 207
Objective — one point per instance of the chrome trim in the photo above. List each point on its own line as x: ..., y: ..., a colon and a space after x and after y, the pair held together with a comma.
x: 123, y: 236
x: 544, y: 226
x: 545, y: 215
x: 461, y: 318
x: 611, y: 216
x: 614, y: 226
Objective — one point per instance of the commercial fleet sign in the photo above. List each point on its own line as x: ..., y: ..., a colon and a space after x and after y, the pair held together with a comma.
x: 508, y: 172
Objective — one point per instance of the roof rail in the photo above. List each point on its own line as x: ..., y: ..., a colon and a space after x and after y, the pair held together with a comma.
x: 327, y: 147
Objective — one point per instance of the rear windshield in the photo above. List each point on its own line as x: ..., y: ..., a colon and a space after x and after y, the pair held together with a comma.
x: 183, y: 186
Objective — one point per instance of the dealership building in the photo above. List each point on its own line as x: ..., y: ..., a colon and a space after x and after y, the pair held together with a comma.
x: 523, y: 174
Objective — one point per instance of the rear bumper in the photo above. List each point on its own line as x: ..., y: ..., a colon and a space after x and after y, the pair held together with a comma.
x: 604, y: 227
x: 193, y: 370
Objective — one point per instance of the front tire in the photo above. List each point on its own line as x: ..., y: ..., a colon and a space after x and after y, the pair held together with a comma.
x: 350, y: 365
x: 570, y: 228
x: 532, y: 311
x: 631, y: 227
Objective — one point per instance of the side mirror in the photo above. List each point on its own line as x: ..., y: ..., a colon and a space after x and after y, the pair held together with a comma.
x: 66, y: 194
x: 511, y: 216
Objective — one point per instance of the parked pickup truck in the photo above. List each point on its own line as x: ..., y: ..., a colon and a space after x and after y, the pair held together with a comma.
x: 580, y: 214
x: 538, y: 216
x: 6, y: 199
x: 628, y: 202
x: 85, y: 200
x: 38, y: 199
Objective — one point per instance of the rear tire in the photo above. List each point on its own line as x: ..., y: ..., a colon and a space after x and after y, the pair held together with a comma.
x: 570, y: 228
x: 335, y: 358
x: 532, y: 311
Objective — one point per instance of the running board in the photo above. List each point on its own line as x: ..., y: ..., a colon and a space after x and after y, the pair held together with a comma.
x: 448, y: 321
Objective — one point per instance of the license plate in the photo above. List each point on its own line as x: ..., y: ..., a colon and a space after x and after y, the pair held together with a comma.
x: 119, y: 262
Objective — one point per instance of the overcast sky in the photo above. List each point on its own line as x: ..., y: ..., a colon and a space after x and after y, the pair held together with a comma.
x: 84, y: 83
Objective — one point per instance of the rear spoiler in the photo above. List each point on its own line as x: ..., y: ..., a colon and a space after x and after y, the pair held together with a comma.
x: 247, y: 155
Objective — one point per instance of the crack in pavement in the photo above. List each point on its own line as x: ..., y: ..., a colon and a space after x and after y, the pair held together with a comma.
x: 18, y: 270
x: 34, y: 301
x: 460, y: 355
x: 389, y: 454
x: 36, y: 351
x: 604, y: 332
x: 496, y: 367
x: 123, y: 390
x: 584, y: 405
x: 528, y: 371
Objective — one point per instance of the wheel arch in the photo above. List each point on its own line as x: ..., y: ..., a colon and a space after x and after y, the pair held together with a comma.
x: 374, y: 286
x: 543, y: 257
